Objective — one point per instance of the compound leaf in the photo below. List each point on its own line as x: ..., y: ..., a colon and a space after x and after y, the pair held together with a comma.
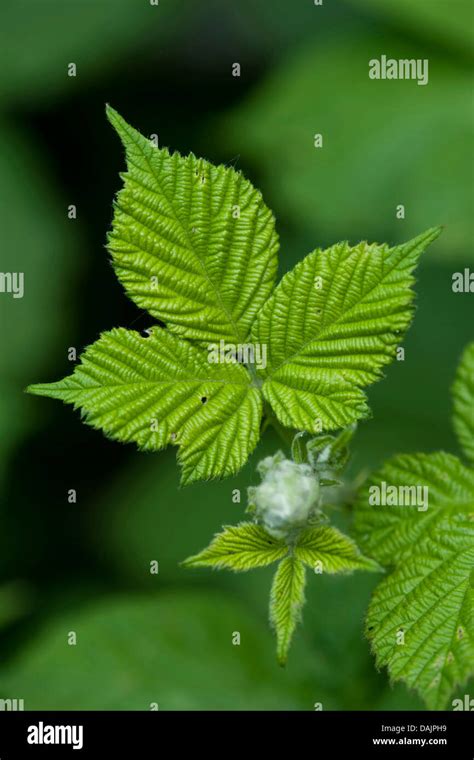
x: 160, y: 390
x: 286, y: 602
x: 331, y: 325
x: 421, y: 617
x: 327, y: 550
x: 192, y: 243
x: 240, y: 547
x: 427, y: 494
x: 416, y: 514
x: 463, y: 397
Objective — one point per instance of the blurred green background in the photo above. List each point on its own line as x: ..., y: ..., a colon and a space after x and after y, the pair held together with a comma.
x: 84, y: 566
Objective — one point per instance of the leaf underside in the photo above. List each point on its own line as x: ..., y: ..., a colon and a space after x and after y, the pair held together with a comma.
x: 421, y: 617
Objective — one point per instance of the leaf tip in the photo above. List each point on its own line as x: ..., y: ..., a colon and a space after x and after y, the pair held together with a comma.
x: 434, y: 232
x: 123, y: 129
x: 36, y: 389
x: 187, y: 478
x: 371, y: 565
x: 428, y: 236
x: 111, y: 113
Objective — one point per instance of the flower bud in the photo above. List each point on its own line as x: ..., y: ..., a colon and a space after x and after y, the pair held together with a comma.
x: 286, y: 496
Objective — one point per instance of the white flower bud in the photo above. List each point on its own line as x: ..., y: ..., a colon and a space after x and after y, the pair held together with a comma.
x: 286, y: 496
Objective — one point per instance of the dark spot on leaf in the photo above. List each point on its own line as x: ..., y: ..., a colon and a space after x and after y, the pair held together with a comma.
x: 203, y: 399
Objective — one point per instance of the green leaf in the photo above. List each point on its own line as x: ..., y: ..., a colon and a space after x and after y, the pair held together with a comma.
x: 286, y: 602
x: 160, y: 390
x: 299, y: 452
x: 429, y: 599
x: 328, y: 455
x: 192, y: 243
x: 463, y: 397
x: 172, y: 649
x: 331, y: 325
x: 325, y: 549
x: 126, y: 538
x: 391, y: 533
x: 421, y: 618
x: 240, y: 547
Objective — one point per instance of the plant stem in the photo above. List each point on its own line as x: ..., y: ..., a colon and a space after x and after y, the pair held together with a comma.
x: 285, y: 434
